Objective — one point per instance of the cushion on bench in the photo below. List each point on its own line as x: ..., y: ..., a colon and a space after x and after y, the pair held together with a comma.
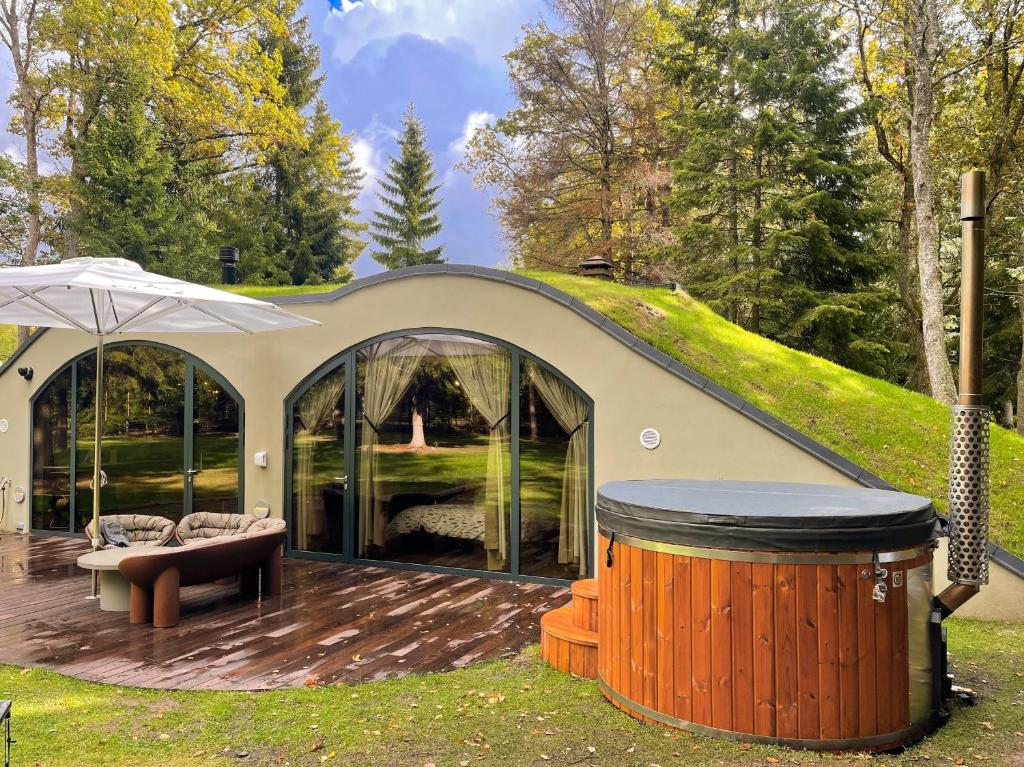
x: 142, y: 529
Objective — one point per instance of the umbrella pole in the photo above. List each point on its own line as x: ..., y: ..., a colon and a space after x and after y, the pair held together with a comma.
x: 96, y: 464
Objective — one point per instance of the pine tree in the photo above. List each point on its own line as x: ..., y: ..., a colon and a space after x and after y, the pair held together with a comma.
x: 311, y: 189
x: 320, y: 233
x: 410, y: 216
x: 771, y: 184
x: 127, y: 210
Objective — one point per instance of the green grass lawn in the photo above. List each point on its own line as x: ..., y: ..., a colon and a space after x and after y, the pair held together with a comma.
x: 505, y: 713
x: 899, y: 435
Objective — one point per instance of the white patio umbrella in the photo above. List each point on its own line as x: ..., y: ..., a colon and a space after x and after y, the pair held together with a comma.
x: 107, y: 296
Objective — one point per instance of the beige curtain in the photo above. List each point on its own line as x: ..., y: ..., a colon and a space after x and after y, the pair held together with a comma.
x: 388, y: 371
x: 570, y: 410
x: 313, y: 408
x: 484, y: 373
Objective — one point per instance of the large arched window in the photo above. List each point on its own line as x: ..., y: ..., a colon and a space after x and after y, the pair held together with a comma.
x: 442, y: 449
x: 171, y: 444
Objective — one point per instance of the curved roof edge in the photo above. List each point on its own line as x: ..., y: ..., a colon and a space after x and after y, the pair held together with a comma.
x: 1007, y: 559
x: 623, y: 336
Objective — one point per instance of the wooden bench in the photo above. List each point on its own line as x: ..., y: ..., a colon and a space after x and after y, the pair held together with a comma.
x: 157, y: 575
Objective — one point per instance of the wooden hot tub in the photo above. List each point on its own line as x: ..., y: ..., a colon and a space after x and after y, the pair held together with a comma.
x: 746, y: 610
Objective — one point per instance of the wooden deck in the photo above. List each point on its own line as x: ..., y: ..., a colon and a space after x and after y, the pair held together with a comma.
x: 332, y: 623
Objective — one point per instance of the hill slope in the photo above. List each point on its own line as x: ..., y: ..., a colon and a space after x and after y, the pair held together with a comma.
x: 897, y: 434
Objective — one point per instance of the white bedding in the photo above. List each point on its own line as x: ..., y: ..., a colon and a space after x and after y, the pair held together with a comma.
x: 453, y: 520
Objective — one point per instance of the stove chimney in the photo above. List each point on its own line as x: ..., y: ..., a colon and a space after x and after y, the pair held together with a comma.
x: 228, y: 256
x: 968, y: 453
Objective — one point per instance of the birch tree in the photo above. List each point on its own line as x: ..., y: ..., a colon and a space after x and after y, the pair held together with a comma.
x: 923, y: 32
x: 21, y: 25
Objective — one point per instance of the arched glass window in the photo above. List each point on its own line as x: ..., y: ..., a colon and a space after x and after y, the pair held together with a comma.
x: 171, y: 439
x: 442, y: 450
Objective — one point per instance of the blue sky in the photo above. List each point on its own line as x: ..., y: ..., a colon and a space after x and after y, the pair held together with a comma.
x: 446, y: 57
x: 443, y: 55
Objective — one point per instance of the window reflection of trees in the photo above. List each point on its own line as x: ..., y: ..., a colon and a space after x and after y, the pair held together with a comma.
x: 144, y: 438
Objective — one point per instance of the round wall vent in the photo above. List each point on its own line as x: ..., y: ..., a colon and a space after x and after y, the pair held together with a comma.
x: 650, y: 438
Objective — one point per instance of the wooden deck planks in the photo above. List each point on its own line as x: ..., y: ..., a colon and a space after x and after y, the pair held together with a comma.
x: 335, y: 622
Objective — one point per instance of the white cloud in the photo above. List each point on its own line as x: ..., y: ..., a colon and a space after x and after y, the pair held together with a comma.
x: 370, y: 148
x: 485, y: 25
x: 474, y: 122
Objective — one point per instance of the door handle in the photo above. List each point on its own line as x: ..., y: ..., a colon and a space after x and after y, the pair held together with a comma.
x: 191, y: 473
x: 343, y: 481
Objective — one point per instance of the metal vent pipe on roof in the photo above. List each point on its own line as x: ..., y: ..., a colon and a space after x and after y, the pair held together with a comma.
x: 228, y: 257
x: 969, y: 438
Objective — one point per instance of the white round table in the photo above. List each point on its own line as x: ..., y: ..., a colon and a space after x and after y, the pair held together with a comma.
x: 114, y: 589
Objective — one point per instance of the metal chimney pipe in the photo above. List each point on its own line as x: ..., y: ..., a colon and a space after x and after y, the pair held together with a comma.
x: 969, y: 450
x: 228, y: 256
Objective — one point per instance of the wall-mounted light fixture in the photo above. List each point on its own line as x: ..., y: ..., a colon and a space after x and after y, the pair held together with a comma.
x: 26, y: 373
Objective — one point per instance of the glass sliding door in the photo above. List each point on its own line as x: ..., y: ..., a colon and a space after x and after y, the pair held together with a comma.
x: 554, y: 457
x: 163, y: 414
x: 442, y: 450
x: 143, y: 432
x: 51, y: 455
x: 434, y: 469
x: 319, y: 477
x: 212, y: 473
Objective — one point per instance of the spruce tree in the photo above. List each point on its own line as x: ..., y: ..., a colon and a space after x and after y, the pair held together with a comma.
x: 127, y: 211
x: 771, y: 184
x: 410, y: 216
x: 311, y: 189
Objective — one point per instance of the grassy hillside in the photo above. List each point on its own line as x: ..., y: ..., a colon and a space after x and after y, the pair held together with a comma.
x: 899, y: 435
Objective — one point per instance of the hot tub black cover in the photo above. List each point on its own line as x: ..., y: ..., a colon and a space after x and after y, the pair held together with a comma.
x: 765, y: 516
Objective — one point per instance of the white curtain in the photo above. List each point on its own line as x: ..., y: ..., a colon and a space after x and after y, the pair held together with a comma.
x: 484, y: 372
x: 388, y: 371
x: 570, y: 410
x: 313, y: 408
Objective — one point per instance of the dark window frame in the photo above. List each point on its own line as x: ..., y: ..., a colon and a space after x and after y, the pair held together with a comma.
x: 348, y: 358
x: 191, y: 363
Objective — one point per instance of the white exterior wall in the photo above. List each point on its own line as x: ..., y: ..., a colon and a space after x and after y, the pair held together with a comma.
x: 702, y: 438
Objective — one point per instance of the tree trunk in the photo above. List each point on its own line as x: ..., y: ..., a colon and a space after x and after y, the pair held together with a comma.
x: 532, y: 409
x: 419, y: 439
x: 924, y: 51
x: 71, y: 241
x: 33, y: 220
x: 733, y: 173
x: 917, y: 376
x: 757, y: 241
x: 20, y: 25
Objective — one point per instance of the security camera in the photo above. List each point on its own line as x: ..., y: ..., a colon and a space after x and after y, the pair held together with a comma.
x: 26, y: 373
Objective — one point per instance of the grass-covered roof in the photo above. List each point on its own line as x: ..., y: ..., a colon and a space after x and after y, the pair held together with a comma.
x: 899, y: 435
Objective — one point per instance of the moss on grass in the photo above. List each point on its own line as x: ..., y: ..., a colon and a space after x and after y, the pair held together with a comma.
x: 504, y: 713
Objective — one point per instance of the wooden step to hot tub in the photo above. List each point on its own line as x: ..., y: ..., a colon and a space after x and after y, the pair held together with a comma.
x: 568, y: 635
x: 566, y: 646
x: 584, y: 603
